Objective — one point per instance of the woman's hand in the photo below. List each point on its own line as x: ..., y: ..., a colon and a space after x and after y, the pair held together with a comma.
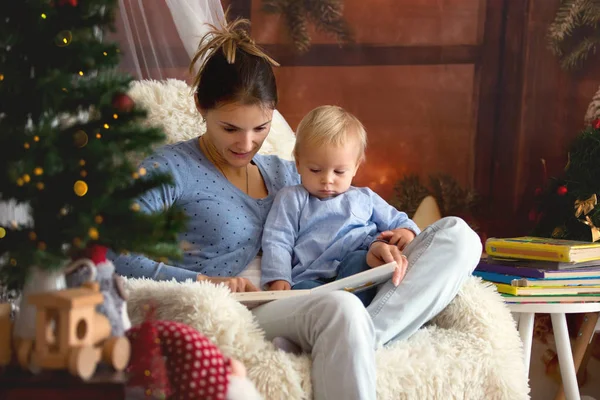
x: 399, y: 237
x: 381, y: 253
x: 280, y: 285
x: 235, y: 284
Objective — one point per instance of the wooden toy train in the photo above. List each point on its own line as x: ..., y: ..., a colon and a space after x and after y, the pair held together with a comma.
x: 69, y: 335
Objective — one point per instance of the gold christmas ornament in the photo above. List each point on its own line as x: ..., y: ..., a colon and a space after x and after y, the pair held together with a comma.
x: 106, y: 126
x: 82, y: 162
x: 40, y: 185
x: 32, y: 235
x: 13, y: 262
x: 93, y: 233
x: 595, y: 230
x: 80, y: 73
x: 27, y: 178
x: 115, y: 116
x: 98, y: 135
x: 63, y: 39
x: 36, y: 138
x: 80, y: 188
x: 26, y: 145
x: 142, y: 171
x: 135, y: 175
x: 43, y: 16
x: 20, y: 182
x: 2, y: 232
x: 98, y: 219
x: 41, y: 246
x: 38, y: 171
x: 583, y: 207
x: 1, y: 77
x: 77, y: 242
x: 135, y: 207
x: 80, y: 138
x: 83, y: 173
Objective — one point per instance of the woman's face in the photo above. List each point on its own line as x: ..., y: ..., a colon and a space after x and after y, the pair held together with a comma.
x: 237, y: 131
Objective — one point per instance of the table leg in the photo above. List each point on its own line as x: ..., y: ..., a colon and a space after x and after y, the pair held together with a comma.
x: 565, y: 358
x: 526, y: 333
x: 581, y: 346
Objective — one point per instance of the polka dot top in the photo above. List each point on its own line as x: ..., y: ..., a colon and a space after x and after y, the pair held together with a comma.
x: 225, y: 225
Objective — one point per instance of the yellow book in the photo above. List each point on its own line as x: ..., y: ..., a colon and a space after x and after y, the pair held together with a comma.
x: 546, y: 290
x: 536, y: 248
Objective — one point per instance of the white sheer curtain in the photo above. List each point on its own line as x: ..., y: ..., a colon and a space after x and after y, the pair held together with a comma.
x: 159, y: 38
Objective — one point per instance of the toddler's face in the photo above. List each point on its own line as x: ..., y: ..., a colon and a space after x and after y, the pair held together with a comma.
x: 328, y: 170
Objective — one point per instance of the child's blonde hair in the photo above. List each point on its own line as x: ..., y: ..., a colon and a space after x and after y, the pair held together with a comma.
x: 330, y: 125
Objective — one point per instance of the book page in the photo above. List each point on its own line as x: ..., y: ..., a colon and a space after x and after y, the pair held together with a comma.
x: 354, y: 283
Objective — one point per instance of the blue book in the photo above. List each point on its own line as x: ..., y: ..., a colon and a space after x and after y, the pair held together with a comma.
x: 539, y: 273
x: 519, y: 281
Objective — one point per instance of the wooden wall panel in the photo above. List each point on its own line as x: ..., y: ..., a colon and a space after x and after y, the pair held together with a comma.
x: 541, y: 111
x: 405, y: 22
x: 418, y: 117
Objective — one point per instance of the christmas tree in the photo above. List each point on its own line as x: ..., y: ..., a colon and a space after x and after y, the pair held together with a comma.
x: 567, y: 206
x: 68, y: 133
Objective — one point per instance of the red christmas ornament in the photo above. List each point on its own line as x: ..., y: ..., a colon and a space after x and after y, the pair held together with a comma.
x: 73, y: 3
x: 561, y: 190
x: 533, y: 215
x: 122, y: 102
x: 596, y: 123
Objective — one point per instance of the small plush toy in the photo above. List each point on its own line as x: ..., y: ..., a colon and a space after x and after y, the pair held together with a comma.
x: 195, y: 367
x: 114, y: 306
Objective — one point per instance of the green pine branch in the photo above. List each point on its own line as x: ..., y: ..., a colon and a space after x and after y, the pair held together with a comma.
x: 326, y: 15
x: 574, y: 33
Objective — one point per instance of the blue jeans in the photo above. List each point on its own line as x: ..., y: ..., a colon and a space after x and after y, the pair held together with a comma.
x: 440, y: 259
x: 352, y: 264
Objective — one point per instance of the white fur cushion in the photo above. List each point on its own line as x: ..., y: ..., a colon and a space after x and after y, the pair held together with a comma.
x: 170, y: 105
x: 471, y: 350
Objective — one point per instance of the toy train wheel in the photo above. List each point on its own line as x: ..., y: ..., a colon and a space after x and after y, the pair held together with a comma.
x: 82, y: 362
x: 24, y: 350
x: 116, y: 352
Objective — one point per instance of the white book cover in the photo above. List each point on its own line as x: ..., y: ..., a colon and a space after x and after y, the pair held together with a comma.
x: 355, y: 283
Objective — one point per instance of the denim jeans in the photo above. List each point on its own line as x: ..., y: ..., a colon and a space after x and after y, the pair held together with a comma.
x: 352, y: 264
x: 342, y: 335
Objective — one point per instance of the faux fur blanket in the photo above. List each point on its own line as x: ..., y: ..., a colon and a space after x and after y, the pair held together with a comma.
x: 469, y: 351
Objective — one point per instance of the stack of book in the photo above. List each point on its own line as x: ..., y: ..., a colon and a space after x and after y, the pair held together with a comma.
x: 540, y: 270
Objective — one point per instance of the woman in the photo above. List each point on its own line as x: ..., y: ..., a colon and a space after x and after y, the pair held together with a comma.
x: 227, y: 189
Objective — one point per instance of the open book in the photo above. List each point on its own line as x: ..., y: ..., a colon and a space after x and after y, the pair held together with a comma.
x: 355, y: 283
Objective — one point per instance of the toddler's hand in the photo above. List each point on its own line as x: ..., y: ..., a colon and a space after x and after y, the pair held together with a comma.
x: 279, y: 285
x: 399, y: 237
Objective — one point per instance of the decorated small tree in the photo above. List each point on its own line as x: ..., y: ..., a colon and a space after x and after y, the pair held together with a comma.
x: 68, y: 133
x: 567, y: 206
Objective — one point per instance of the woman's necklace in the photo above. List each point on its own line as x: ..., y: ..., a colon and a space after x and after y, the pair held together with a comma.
x: 212, y: 160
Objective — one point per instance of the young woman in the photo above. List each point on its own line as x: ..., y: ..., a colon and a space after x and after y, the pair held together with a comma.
x: 227, y: 190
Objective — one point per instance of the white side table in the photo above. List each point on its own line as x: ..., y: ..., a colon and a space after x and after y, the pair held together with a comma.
x: 557, y: 313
